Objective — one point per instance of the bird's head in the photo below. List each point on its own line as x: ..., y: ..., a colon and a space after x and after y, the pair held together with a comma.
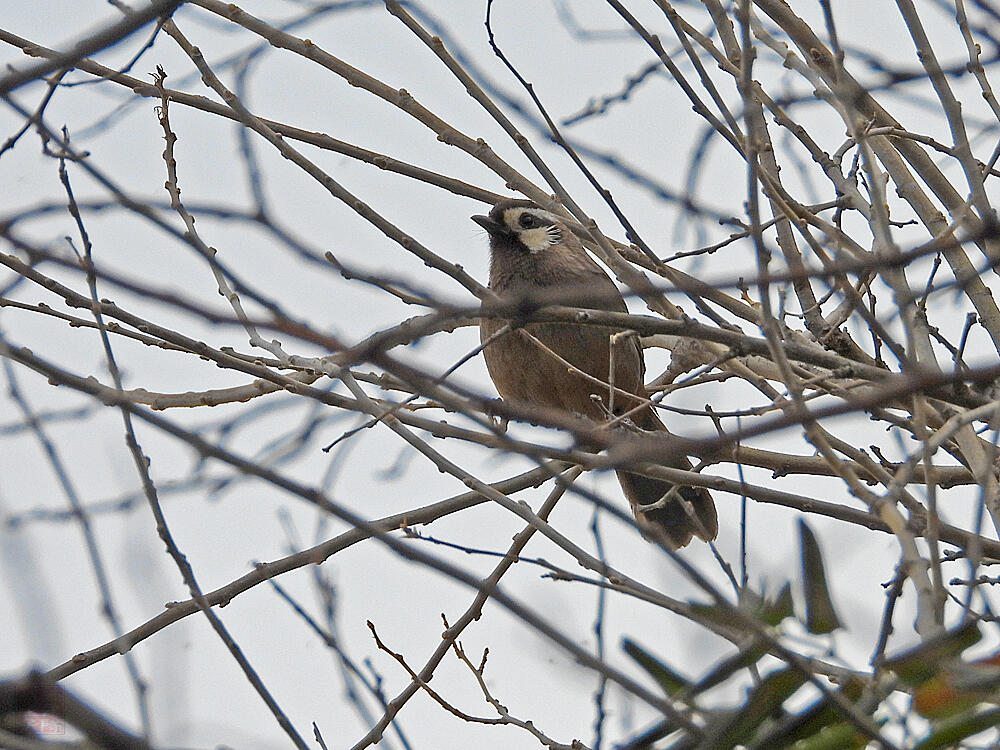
x: 520, y: 225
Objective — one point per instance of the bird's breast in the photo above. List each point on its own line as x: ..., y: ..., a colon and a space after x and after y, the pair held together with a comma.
x: 556, y: 365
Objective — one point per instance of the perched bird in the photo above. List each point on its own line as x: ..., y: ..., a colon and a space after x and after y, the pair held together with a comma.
x: 533, y: 255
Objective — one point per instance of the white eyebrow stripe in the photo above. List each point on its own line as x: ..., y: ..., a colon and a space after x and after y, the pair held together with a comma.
x: 511, y: 214
x: 541, y: 214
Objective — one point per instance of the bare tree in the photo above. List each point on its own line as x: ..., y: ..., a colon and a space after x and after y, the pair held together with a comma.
x: 795, y: 199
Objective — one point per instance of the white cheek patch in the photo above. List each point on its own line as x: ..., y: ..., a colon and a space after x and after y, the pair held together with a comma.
x: 535, y: 239
x: 539, y: 238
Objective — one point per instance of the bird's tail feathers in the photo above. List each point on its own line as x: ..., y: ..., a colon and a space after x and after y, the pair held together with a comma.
x: 690, y: 511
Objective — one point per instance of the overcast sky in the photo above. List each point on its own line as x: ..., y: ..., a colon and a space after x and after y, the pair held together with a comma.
x: 197, y: 697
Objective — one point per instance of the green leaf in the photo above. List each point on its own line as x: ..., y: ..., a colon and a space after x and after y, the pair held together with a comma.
x: 776, y: 610
x: 975, y: 677
x: 840, y: 736
x: 750, y: 653
x: 821, y: 617
x: 671, y: 682
x: 949, y: 732
x: 714, y: 613
x: 770, y: 611
x: 917, y: 665
x: 815, y: 720
x: 762, y: 703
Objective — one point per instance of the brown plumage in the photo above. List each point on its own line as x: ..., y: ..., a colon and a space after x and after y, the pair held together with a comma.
x: 532, y: 253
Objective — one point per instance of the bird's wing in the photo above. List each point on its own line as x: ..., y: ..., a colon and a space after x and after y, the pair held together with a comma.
x: 604, y: 295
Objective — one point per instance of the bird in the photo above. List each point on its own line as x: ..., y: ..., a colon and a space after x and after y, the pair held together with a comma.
x: 535, y: 256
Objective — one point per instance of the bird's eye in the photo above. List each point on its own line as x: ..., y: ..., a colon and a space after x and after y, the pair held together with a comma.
x: 526, y: 220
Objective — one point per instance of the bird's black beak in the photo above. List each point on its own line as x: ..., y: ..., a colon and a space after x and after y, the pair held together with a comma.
x: 494, y: 228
